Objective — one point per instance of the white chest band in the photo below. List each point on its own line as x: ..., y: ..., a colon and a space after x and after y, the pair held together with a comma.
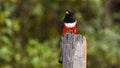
x: 70, y: 24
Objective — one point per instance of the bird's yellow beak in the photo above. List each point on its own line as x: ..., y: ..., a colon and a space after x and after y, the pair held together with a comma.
x: 67, y: 12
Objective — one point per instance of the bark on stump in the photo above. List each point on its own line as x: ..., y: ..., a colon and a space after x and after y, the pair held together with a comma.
x: 74, y: 51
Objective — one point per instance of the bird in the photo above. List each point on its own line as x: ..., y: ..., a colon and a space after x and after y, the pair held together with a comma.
x: 69, y: 24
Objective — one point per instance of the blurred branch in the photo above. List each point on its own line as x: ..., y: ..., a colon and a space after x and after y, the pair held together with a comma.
x: 107, y: 13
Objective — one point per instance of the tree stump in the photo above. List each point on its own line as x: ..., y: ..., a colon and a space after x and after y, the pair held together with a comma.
x: 73, y: 51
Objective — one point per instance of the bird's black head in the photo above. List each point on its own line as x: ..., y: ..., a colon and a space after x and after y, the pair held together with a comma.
x: 69, y: 18
x: 68, y: 12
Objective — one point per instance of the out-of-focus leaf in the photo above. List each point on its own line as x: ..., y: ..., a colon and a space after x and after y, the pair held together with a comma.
x: 16, y: 25
x: 5, y: 39
x: 8, y: 23
x: 37, y: 10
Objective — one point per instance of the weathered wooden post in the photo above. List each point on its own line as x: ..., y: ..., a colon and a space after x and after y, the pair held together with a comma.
x: 74, y: 51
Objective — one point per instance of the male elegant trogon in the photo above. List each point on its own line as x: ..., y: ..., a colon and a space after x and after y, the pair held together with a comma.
x: 69, y: 25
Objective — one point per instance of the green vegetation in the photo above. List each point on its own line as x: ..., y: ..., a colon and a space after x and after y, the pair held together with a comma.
x: 30, y: 32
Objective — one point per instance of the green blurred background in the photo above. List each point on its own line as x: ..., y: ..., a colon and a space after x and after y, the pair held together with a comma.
x: 30, y: 32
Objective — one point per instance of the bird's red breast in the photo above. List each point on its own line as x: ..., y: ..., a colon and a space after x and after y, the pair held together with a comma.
x: 69, y: 27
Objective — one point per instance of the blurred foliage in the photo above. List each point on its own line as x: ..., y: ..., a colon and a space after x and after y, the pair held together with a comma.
x: 30, y: 32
